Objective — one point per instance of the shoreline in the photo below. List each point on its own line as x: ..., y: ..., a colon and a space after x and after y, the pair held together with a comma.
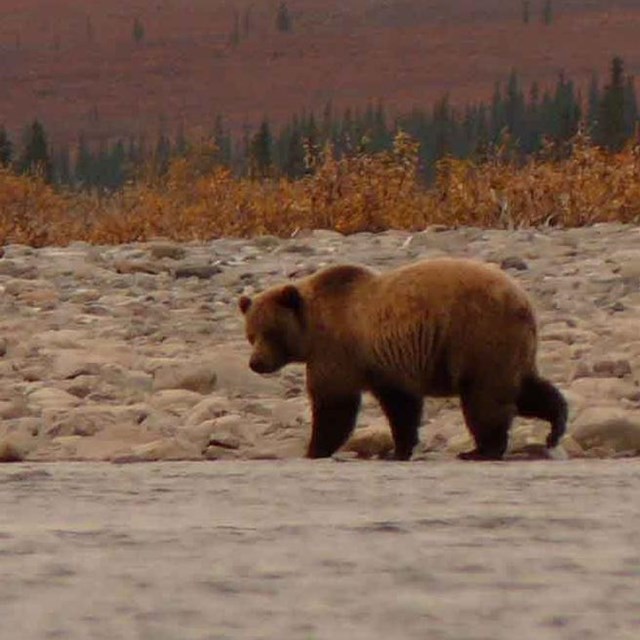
x: 136, y: 352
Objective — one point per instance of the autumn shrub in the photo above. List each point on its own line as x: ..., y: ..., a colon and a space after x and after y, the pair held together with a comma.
x: 588, y: 186
x: 31, y: 212
x: 197, y: 199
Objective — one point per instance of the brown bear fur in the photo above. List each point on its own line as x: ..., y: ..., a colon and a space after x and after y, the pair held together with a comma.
x: 442, y: 327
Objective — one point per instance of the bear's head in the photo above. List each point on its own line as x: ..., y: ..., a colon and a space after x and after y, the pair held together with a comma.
x: 274, y: 325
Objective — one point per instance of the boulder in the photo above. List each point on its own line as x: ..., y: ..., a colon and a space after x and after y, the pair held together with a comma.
x: 607, y: 428
x: 161, y: 449
x: 198, y: 377
x: 370, y: 442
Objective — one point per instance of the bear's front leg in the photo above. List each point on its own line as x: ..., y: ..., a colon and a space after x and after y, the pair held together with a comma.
x: 404, y: 412
x: 333, y: 421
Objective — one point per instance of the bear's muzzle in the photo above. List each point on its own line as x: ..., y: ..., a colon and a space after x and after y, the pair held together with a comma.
x: 260, y: 366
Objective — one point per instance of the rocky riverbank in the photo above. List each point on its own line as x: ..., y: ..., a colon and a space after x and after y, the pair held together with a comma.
x: 136, y: 352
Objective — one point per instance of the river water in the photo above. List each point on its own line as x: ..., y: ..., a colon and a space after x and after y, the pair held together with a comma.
x: 321, y: 550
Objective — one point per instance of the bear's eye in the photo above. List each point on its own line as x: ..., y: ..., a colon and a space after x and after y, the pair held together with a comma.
x: 251, y: 337
x: 275, y: 339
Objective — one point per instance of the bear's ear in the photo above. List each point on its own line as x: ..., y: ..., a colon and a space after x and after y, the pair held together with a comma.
x: 291, y: 298
x: 244, y: 303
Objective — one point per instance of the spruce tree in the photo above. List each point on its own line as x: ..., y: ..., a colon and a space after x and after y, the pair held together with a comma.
x: 532, y: 137
x: 284, y: 21
x: 246, y: 22
x: 328, y: 126
x: 346, y: 132
x: 103, y: 168
x: 311, y: 132
x: 498, y: 117
x: 83, y: 171
x: 482, y: 127
x: 547, y: 12
x: 443, y: 127
x: 567, y: 111
x: 36, y: 159
x: 161, y: 154
x: 234, y: 36
x: 138, y: 31
x: 514, y: 107
x: 222, y: 140
x: 290, y: 151
x: 117, y: 161
x: 62, y: 167
x: 630, y: 108
x: 260, y: 151
x: 593, y: 104
x: 89, y: 29
x: 6, y: 148
x: 611, y: 123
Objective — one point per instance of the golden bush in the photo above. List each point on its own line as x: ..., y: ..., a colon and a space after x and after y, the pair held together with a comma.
x: 31, y: 212
x: 198, y: 199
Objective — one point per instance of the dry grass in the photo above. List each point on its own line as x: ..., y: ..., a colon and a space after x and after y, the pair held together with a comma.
x: 361, y: 193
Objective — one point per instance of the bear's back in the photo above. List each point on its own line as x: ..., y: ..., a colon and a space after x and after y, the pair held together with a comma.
x: 455, y: 285
x: 446, y: 314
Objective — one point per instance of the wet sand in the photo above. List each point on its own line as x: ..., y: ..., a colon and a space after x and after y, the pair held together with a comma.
x: 320, y: 550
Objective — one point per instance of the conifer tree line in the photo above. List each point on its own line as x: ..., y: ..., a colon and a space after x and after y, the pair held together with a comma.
x: 522, y: 119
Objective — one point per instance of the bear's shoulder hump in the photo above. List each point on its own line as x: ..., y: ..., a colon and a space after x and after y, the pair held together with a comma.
x: 340, y: 278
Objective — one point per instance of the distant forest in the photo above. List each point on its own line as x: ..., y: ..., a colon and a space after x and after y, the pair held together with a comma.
x: 521, y: 120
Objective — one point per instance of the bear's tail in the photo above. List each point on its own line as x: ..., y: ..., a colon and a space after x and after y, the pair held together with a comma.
x: 538, y: 398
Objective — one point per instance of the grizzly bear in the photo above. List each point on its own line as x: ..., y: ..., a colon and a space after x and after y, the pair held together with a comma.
x: 440, y: 327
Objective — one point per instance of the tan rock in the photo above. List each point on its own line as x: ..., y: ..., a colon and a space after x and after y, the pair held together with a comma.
x: 630, y: 268
x: 293, y: 412
x: 370, y: 442
x: 526, y: 434
x: 43, y: 298
x: 83, y: 296
x: 605, y: 388
x: 290, y: 448
x: 617, y: 367
x: 177, y: 401
x: 569, y: 336
x: 162, y: 449
x: 165, y: 249
x: 199, y: 434
x: 51, y: 398
x: 70, y: 364
x: 201, y: 378
x: 214, y: 452
x: 56, y: 449
x: 460, y: 443
x: 136, y: 266
x: 234, y: 375
x: 607, y: 428
x: 10, y: 452
x: 207, y: 409
x: 16, y: 408
x: 59, y: 339
x: 90, y: 419
x: 572, y: 447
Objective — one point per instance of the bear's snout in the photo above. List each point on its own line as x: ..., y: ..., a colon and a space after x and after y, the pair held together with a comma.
x: 260, y: 366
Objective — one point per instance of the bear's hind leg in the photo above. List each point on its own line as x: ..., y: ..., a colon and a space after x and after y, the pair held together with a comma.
x: 404, y: 411
x: 488, y: 419
x: 333, y: 422
x: 539, y: 398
